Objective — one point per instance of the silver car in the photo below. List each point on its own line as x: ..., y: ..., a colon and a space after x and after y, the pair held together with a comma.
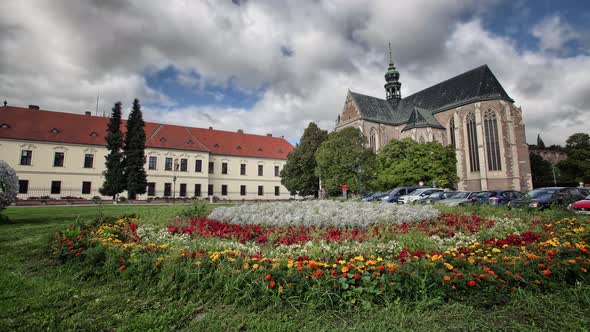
x: 417, y: 194
x: 460, y: 198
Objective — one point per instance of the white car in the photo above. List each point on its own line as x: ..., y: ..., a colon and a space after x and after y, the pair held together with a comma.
x: 417, y: 194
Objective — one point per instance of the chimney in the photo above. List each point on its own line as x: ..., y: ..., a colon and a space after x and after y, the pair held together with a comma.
x: 87, y: 113
x: 240, y: 131
x: 269, y: 135
x: 33, y: 107
x: 210, y: 128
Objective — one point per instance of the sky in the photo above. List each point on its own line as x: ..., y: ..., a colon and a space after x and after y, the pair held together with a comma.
x: 274, y: 66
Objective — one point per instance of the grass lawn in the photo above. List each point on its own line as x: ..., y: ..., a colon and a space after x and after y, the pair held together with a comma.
x: 36, y: 293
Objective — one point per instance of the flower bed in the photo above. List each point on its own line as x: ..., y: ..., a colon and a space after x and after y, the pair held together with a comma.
x: 451, y: 256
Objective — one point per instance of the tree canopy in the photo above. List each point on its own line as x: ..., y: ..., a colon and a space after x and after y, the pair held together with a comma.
x: 343, y: 158
x: 134, y: 149
x: 298, y: 175
x: 541, y: 171
x: 576, y: 168
x: 406, y: 162
x: 114, y: 177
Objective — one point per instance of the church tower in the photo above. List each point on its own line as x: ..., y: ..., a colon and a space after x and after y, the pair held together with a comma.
x: 393, y: 86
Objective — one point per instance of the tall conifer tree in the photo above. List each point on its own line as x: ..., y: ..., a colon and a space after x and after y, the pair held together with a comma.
x: 135, y: 152
x: 114, y: 177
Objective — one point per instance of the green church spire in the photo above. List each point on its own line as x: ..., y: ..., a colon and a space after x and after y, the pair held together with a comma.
x: 392, y: 85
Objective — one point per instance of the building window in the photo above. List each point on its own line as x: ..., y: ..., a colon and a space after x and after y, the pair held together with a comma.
x: 472, y: 142
x: 421, y: 140
x: 58, y: 159
x: 210, y: 190
x: 224, y: 190
x: 26, y: 156
x: 373, y: 140
x: 277, y: 171
x: 23, y: 186
x: 492, y: 140
x: 452, y: 129
x: 151, y: 189
x: 211, y: 167
x: 242, y: 169
x: 86, y: 186
x: 260, y: 190
x: 198, y: 165
x: 243, y: 190
x: 260, y: 170
x: 198, y: 190
x: 167, y: 189
x: 223, y: 168
x: 277, y: 190
x: 88, y: 160
x: 182, y: 190
x: 184, y: 165
x: 153, y: 163
x: 168, y: 164
x: 55, y: 187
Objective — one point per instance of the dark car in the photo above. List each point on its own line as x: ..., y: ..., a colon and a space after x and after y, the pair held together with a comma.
x: 497, y: 197
x: 543, y: 198
x: 394, y: 195
x: 373, y: 196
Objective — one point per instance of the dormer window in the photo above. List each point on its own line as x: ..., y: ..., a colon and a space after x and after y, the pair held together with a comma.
x: 190, y: 142
x: 238, y: 147
x: 4, y: 125
x: 260, y: 149
x: 163, y: 139
x: 280, y: 150
x: 216, y: 145
x: 55, y: 131
x: 93, y: 134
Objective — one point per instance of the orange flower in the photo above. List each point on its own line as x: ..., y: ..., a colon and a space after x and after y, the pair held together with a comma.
x: 583, y: 270
x: 267, y: 277
x: 280, y: 288
x: 547, y: 272
x: 449, y: 266
x: 471, y: 283
x: 447, y: 278
x: 517, y: 276
x: 122, y: 267
x: 538, y: 282
x: 272, y: 283
x: 453, y: 287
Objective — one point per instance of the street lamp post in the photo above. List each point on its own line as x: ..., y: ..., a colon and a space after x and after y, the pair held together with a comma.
x: 174, y: 188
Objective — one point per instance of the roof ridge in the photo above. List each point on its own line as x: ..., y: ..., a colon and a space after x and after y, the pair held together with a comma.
x: 154, y: 133
x: 196, y: 139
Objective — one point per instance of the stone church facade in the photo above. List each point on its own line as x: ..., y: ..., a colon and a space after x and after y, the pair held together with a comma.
x: 471, y: 112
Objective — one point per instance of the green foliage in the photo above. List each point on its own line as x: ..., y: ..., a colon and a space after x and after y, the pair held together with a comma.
x: 197, y: 209
x: 8, y: 185
x: 134, y: 149
x: 298, y: 175
x: 576, y: 167
x: 344, y: 159
x: 114, y: 177
x: 541, y: 170
x: 406, y: 162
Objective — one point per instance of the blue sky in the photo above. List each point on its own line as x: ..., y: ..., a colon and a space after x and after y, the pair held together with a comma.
x: 273, y: 66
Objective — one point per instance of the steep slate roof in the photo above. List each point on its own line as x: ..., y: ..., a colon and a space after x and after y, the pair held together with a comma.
x: 39, y: 125
x: 475, y: 85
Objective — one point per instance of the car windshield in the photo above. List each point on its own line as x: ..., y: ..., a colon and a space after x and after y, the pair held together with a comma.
x: 541, y: 192
x: 395, y: 192
x: 459, y: 195
x: 418, y: 192
x: 587, y: 197
x: 485, y: 194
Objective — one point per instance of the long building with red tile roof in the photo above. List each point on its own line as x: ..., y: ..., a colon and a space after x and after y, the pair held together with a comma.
x: 61, y: 154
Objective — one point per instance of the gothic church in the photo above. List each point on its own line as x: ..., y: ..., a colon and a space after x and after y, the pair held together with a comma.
x: 471, y: 111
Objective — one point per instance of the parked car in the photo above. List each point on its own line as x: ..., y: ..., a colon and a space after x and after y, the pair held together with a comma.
x: 417, y: 195
x: 394, y: 195
x: 543, y: 198
x: 438, y: 196
x: 581, y: 206
x: 373, y: 196
x: 459, y: 198
x: 497, y: 197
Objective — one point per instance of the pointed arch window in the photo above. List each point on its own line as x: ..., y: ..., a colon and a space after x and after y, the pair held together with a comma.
x: 492, y: 140
x: 373, y: 139
x: 421, y: 140
x: 452, y: 129
x: 472, y: 142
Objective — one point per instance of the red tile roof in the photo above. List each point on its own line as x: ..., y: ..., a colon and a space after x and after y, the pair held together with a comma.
x: 38, y: 125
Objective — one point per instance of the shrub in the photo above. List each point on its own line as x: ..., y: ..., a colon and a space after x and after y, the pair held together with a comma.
x: 122, y: 199
x: 196, y: 209
x: 8, y: 185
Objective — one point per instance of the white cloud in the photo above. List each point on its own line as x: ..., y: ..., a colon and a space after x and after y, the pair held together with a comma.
x: 553, y: 33
x: 67, y: 52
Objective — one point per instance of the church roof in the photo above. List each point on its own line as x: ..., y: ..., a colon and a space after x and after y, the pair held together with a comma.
x: 474, y: 85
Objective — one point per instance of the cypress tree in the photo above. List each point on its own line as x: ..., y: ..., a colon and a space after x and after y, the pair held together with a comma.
x: 114, y: 178
x: 134, y: 149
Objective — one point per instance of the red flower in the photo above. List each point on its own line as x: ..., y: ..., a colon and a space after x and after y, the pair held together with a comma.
x: 547, y: 272
x: 344, y: 275
x: 267, y: 277
x: 272, y: 283
x: 356, y: 276
x: 122, y: 267
x: 471, y: 283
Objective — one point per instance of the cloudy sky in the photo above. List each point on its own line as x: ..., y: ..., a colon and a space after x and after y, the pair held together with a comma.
x: 273, y: 66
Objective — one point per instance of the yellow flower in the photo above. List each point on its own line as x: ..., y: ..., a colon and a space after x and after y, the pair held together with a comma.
x: 449, y: 266
x: 436, y: 257
x: 471, y: 260
x: 379, y: 259
x: 344, y: 269
x: 255, y: 266
x: 246, y: 266
x: 359, y: 258
x: 578, y: 230
x: 496, y: 250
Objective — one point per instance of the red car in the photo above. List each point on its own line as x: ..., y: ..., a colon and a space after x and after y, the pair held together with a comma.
x: 582, y: 206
